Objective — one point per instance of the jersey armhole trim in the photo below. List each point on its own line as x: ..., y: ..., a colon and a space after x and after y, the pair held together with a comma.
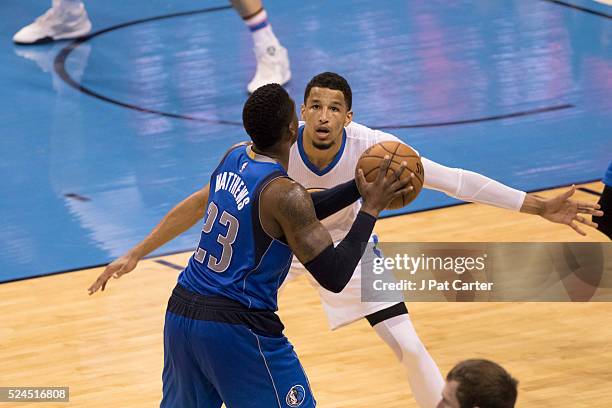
x: 261, y: 190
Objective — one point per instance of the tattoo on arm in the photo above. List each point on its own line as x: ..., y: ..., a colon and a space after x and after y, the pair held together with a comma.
x: 306, y: 236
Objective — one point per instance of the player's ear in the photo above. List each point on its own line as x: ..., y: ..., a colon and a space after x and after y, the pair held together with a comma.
x: 293, y: 131
x: 302, y: 110
x: 348, y: 119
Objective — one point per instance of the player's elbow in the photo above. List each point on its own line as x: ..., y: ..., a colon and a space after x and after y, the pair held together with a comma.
x: 335, y: 287
x: 332, y: 271
x: 327, y: 281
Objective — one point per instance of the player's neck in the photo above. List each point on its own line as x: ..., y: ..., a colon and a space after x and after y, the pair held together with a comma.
x: 321, y: 158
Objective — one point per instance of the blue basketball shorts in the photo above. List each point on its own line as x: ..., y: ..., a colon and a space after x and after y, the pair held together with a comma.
x: 214, y: 361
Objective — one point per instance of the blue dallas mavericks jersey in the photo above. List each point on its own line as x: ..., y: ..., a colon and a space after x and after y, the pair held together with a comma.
x: 235, y: 257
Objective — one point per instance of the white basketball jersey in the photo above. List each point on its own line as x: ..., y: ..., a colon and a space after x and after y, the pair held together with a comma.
x: 356, y: 139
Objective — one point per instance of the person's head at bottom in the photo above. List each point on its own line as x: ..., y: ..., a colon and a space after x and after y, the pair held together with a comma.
x: 478, y: 384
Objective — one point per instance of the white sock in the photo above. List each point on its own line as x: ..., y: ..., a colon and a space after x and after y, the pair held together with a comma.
x: 261, y: 30
x: 424, y: 376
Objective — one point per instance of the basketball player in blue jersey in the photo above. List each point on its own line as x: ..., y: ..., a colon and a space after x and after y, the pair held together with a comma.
x: 223, y: 343
x: 604, y: 222
x: 328, y: 147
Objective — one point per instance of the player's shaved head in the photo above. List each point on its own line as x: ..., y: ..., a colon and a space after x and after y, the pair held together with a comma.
x: 267, y: 114
x: 331, y: 80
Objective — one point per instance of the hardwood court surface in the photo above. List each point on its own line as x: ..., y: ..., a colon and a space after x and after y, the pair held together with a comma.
x: 108, y: 347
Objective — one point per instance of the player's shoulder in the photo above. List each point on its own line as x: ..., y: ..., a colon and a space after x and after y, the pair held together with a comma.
x: 284, y: 192
x: 285, y: 184
x: 358, y: 131
x: 234, y: 148
x: 239, y: 144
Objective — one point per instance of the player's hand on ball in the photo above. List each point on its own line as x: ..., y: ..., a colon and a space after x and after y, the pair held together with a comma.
x: 563, y: 210
x: 401, y: 155
x: 387, y: 186
x: 116, y: 269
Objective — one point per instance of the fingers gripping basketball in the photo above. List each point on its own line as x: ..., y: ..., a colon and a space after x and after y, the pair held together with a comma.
x: 399, y: 152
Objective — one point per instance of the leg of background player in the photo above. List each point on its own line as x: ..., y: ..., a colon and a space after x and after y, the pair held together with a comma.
x: 393, y: 325
x: 272, y: 58
x: 65, y: 19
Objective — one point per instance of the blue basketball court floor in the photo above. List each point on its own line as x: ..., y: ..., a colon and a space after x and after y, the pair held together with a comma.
x: 102, y: 137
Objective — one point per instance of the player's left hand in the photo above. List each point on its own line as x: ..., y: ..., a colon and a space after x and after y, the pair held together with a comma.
x: 563, y: 210
x: 117, y: 268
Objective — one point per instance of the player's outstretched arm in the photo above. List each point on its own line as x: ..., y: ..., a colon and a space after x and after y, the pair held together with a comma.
x: 289, y: 212
x: 470, y: 186
x: 182, y: 217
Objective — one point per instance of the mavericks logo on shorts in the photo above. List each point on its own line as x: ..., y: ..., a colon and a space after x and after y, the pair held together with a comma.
x: 295, y: 396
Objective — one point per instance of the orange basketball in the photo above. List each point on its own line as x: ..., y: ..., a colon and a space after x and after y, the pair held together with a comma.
x: 370, y: 161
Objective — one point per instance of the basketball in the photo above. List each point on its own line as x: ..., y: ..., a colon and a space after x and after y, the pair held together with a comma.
x: 370, y: 161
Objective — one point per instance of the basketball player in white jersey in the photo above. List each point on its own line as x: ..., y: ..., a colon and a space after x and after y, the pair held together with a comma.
x: 327, y: 150
x: 67, y: 19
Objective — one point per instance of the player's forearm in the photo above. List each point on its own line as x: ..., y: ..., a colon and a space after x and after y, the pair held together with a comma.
x: 470, y: 186
x: 330, y: 201
x: 178, y: 220
x: 334, y: 267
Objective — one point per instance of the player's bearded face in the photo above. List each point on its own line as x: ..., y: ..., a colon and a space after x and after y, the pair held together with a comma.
x: 325, y: 113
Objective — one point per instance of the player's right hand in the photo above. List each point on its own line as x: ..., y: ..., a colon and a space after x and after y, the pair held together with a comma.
x: 116, y: 269
x: 379, y: 193
x: 564, y: 210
